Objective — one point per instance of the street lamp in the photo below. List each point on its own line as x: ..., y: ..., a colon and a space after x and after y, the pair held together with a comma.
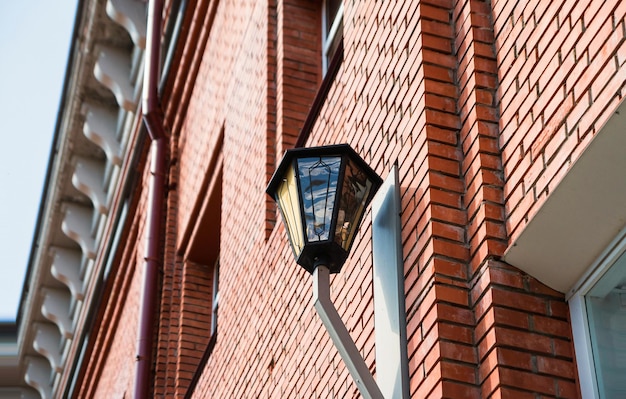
x: 322, y: 193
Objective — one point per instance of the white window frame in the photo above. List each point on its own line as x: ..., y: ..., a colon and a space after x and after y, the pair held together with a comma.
x: 328, y: 39
x: 579, y: 318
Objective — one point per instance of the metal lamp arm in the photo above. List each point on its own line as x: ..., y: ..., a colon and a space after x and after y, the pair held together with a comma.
x: 339, y: 334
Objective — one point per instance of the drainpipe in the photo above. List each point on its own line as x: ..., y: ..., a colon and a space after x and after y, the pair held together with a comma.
x: 153, y: 118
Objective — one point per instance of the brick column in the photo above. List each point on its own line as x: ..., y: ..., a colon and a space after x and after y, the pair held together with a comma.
x: 522, y: 333
x: 442, y: 357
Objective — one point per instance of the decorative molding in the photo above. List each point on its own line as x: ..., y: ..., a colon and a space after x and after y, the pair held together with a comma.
x: 38, y: 374
x: 56, y: 308
x: 46, y: 342
x: 100, y: 127
x: 132, y: 15
x: 59, y: 299
x: 77, y: 226
x: 66, y: 268
x: 113, y: 71
x: 88, y: 178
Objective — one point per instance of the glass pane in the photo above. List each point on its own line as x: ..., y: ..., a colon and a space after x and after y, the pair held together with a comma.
x: 354, y: 192
x: 332, y: 7
x: 290, y: 209
x: 606, y: 310
x: 336, y: 40
x: 332, y: 31
x: 318, y: 181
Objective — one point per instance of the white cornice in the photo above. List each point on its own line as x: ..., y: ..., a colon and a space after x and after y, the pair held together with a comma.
x: 100, y: 127
x: 113, y: 71
x: 96, y: 119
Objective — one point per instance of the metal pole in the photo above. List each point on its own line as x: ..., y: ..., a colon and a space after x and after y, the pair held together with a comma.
x: 340, y: 336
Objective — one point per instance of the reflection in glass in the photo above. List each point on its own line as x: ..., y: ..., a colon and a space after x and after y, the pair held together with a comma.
x: 289, y: 204
x: 332, y: 9
x: 606, y: 312
x: 354, y: 192
x: 332, y: 31
x: 318, y: 180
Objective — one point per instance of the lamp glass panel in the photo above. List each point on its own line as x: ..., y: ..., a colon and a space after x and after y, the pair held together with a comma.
x: 355, y: 191
x: 287, y: 194
x: 318, y: 184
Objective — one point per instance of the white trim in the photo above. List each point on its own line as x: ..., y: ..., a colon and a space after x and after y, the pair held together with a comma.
x: 582, y: 343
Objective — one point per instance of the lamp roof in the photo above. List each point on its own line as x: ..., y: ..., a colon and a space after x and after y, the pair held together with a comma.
x: 307, y: 152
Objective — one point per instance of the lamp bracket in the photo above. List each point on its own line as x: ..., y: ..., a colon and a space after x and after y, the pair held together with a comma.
x: 340, y: 336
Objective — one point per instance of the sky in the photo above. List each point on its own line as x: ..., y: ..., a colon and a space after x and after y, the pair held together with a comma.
x: 35, y: 39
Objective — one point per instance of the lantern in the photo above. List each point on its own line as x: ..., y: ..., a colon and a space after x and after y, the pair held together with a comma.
x: 322, y: 193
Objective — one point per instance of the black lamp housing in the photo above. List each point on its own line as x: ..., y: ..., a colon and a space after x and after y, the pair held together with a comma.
x: 322, y: 193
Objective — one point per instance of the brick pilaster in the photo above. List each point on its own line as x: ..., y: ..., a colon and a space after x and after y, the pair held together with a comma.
x: 442, y: 356
x: 522, y: 333
x: 477, y: 77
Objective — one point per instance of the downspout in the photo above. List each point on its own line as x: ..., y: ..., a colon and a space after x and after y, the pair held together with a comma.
x: 153, y: 119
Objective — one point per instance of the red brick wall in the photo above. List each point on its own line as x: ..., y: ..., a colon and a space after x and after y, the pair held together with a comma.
x: 561, y: 70
x: 195, y: 321
x: 523, y: 336
x: 483, y: 106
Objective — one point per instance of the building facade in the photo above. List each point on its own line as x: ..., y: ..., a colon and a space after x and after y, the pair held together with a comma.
x: 160, y: 268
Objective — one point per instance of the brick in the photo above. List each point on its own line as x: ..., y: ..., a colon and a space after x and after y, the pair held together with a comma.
x: 452, y: 295
x: 515, y: 359
x: 509, y: 278
x: 518, y: 300
x: 517, y: 379
x: 523, y: 340
x: 458, y: 372
x: 556, y: 367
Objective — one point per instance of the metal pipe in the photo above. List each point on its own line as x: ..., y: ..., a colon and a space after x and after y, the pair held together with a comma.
x: 152, y: 113
x: 340, y: 336
x: 152, y: 263
x: 153, y: 119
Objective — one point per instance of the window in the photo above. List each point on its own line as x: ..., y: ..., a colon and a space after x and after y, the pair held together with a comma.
x: 598, y: 311
x: 203, y: 266
x: 332, y: 30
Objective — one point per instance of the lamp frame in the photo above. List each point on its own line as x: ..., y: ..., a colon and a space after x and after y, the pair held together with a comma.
x: 328, y: 252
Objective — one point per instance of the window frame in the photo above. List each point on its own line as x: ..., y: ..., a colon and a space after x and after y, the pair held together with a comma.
x: 328, y: 39
x: 581, y: 334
